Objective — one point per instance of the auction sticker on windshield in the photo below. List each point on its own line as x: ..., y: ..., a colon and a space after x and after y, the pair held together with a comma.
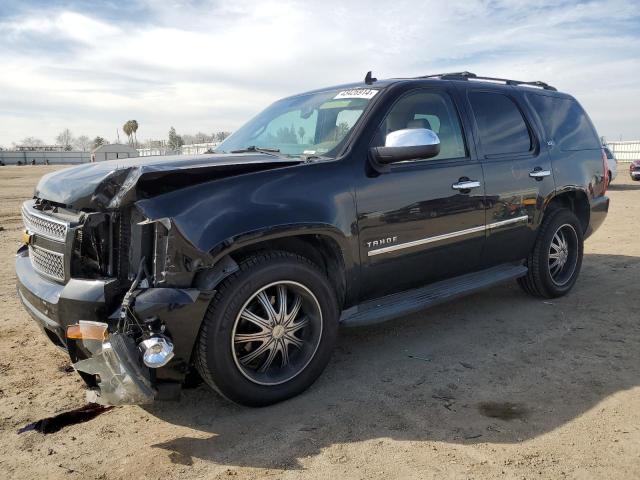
x: 356, y: 93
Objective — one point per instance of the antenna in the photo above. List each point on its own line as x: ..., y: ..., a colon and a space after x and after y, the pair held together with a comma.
x: 368, y: 79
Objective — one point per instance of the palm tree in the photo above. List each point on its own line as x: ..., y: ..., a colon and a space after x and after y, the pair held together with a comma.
x: 134, y: 129
x: 127, y: 128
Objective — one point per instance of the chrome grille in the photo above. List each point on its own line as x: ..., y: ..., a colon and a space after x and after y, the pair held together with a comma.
x: 46, y: 226
x: 47, y: 262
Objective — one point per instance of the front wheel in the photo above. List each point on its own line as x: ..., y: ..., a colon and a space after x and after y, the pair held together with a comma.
x: 556, y: 258
x: 269, y: 331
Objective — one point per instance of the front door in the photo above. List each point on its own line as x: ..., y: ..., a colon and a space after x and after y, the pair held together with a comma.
x: 421, y: 221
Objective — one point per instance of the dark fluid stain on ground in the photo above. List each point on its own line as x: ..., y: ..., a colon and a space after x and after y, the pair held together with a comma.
x: 503, y: 410
x: 66, y: 368
x: 64, y: 419
x: 180, y: 458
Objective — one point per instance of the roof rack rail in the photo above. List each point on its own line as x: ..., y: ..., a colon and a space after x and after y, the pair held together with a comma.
x: 469, y: 75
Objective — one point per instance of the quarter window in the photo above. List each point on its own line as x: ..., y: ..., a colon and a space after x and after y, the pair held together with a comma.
x: 565, y: 122
x: 501, y: 127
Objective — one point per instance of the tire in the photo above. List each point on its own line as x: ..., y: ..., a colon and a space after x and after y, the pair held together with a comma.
x: 255, y: 355
x: 548, y: 276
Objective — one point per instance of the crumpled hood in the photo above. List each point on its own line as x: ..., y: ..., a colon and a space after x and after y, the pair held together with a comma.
x: 114, y: 183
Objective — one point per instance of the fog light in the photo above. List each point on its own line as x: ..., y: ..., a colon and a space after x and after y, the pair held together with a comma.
x: 157, y: 351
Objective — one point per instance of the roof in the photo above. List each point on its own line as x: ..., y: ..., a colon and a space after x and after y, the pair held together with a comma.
x: 114, y: 147
x: 456, y: 76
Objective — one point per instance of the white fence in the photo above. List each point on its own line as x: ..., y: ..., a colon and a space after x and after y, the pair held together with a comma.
x: 12, y: 157
x: 190, y: 149
x: 625, y: 151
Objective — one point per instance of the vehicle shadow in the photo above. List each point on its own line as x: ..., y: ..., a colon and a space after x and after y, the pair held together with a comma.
x: 498, y: 366
x: 621, y: 187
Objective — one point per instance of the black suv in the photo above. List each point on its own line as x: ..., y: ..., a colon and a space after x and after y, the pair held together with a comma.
x: 347, y: 205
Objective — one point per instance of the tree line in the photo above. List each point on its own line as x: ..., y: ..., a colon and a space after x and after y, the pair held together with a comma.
x: 176, y: 141
x: 68, y: 141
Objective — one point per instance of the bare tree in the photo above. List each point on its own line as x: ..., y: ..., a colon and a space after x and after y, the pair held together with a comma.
x: 201, y: 137
x: 188, y: 139
x: 32, y: 142
x: 82, y: 143
x: 65, y: 139
x: 220, y: 136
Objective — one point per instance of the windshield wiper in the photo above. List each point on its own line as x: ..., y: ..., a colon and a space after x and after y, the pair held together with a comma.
x: 310, y: 157
x: 253, y: 148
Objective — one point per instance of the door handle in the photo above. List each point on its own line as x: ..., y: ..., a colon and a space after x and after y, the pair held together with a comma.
x: 466, y: 185
x: 539, y: 173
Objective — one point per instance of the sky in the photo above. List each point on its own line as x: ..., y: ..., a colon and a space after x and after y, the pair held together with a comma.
x: 206, y: 65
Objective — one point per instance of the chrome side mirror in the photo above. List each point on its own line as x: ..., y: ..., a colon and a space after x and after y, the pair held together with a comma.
x: 407, y: 144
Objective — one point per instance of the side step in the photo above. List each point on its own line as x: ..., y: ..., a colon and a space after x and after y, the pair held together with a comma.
x: 385, y: 308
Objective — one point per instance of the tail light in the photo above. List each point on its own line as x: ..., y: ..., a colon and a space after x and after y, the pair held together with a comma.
x: 605, y: 172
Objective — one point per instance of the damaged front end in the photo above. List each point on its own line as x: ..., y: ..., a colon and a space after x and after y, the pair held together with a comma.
x: 110, y: 277
x: 110, y: 364
x: 132, y: 357
x: 126, y: 301
x: 117, y: 359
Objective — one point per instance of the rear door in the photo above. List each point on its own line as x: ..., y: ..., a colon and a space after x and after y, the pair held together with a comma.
x: 416, y: 224
x: 573, y: 144
x: 517, y: 170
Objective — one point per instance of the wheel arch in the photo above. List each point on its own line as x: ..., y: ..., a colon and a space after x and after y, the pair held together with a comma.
x: 575, y: 200
x: 324, y: 246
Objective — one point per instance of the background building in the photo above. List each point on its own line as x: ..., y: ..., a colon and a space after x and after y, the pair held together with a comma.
x: 113, y: 151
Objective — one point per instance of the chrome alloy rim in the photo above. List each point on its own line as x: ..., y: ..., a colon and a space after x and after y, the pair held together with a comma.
x: 563, y: 254
x: 277, y: 333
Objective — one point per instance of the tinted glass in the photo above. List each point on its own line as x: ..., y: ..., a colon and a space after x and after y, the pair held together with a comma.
x: 565, y: 122
x: 500, y: 124
x: 432, y: 110
x: 608, y: 153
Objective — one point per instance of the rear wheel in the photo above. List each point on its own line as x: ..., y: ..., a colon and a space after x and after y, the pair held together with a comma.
x: 556, y: 258
x: 269, y: 331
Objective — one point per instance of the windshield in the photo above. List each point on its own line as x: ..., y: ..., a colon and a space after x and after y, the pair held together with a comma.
x: 312, y: 124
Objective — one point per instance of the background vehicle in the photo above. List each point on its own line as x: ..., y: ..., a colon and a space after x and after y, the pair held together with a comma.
x: 353, y: 205
x: 612, y: 164
x: 634, y: 170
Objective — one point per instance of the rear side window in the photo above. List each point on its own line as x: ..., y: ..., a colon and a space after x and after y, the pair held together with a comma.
x: 565, y: 122
x: 501, y: 127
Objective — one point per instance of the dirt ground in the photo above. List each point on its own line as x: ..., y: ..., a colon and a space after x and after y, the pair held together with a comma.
x: 496, y: 385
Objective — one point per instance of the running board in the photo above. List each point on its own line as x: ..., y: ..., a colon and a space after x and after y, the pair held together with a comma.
x: 398, y: 304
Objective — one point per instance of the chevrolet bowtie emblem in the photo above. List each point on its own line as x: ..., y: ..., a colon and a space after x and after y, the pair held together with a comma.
x: 26, y: 238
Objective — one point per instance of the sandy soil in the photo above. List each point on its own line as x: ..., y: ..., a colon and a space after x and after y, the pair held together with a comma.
x: 497, y: 385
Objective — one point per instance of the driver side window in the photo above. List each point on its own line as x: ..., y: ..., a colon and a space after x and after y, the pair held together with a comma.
x: 431, y: 110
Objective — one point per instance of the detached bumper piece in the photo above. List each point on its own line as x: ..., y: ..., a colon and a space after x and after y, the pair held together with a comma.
x: 112, y: 362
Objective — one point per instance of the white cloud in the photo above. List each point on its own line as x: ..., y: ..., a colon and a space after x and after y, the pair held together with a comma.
x: 210, y: 66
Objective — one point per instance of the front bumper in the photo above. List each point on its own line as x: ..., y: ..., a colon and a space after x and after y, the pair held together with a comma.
x: 55, y: 306
x: 113, y: 369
